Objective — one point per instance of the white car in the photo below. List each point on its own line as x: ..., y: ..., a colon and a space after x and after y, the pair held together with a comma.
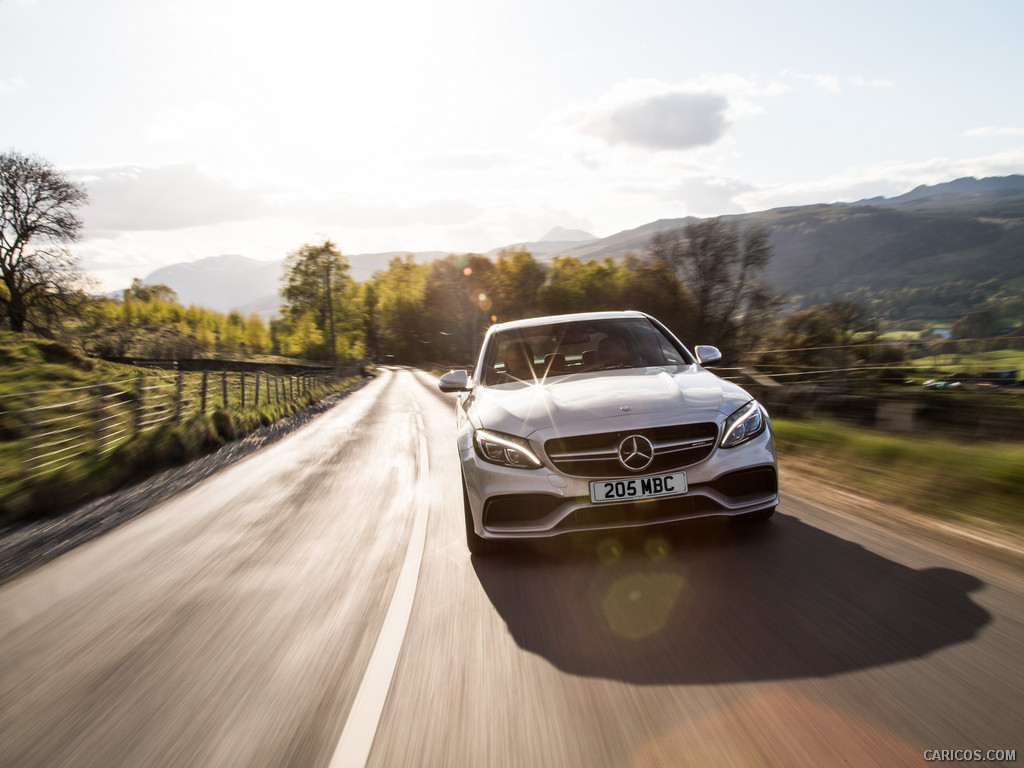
x: 603, y: 420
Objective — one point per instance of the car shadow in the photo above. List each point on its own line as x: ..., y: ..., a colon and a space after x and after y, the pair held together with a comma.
x: 717, y: 604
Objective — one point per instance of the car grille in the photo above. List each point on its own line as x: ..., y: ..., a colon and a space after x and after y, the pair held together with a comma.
x: 675, y: 447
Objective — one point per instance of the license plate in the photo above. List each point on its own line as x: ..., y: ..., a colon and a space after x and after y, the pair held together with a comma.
x: 632, y: 488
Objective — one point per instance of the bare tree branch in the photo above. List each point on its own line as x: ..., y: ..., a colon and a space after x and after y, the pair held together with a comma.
x: 37, y: 206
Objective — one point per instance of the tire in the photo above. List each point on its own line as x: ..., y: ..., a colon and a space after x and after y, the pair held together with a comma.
x: 475, y: 544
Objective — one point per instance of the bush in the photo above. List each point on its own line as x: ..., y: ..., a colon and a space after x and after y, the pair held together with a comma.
x: 223, y: 425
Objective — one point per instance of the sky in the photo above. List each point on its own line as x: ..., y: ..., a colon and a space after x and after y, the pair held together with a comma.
x: 210, y: 127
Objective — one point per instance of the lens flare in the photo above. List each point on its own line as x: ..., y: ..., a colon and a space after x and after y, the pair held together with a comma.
x: 609, y: 551
x: 657, y: 549
x: 640, y: 604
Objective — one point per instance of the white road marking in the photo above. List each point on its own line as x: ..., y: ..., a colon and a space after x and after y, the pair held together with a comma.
x: 353, y: 748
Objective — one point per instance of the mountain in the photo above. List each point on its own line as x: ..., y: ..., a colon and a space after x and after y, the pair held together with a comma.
x: 363, y: 265
x: 967, y: 231
x: 563, y: 235
x: 221, y: 283
x: 557, y: 241
x: 224, y: 283
x: 964, y: 192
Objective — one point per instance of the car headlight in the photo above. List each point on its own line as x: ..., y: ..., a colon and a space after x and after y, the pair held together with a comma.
x: 506, y: 450
x: 745, y: 424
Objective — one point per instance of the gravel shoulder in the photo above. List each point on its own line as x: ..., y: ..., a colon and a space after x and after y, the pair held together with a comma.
x: 803, y: 477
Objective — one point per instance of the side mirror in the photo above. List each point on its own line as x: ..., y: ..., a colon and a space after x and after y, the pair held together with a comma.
x: 454, y: 381
x: 707, y: 354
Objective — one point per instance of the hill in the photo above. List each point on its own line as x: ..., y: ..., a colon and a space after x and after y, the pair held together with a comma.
x: 221, y: 283
x: 967, y: 231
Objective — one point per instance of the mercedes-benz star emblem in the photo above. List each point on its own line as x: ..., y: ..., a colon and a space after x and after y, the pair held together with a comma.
x: 636, y: 453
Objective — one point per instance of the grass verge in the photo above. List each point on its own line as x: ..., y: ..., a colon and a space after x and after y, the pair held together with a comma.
x: 981, y: 482
x: 73, y: 428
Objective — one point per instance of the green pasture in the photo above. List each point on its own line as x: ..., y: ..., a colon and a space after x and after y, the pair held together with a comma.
x: 72, y: 428
x: 974, y: 362
x: 975, y: 481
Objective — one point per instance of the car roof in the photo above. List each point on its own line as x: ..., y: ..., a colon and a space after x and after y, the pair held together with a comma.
x: 529, y: 322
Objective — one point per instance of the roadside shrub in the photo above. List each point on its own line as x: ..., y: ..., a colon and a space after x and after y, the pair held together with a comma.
x: 223, y: 425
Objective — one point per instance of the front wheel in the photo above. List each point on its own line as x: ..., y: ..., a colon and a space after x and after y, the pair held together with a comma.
x: 476, y: 544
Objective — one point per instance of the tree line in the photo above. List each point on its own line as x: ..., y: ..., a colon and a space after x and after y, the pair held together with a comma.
x: 705, y: 282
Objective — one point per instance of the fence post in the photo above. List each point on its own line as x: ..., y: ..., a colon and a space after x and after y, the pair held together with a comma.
x: 206, y: 378
x: 256, y: 404
x: 25, y: 445
x: 243, y: 390
x: 224, y: 389
x: 178, y: 396
x: 291, y: 387
x: 97, y: 423
x: 140, y: 404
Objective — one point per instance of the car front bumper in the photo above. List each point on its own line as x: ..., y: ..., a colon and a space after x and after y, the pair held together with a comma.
x: 508, y: 503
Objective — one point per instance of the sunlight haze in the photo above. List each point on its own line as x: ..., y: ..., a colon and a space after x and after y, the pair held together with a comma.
x: 209, y: 127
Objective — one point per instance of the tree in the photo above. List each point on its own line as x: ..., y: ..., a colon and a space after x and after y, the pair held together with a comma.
x: 316, y: 287
x: 139, y: 291
x: 651, y: 286
x: 400, y: 308
x: 721, y: 268
x: 518, y: 279
x: 450, y: 312
x: 37, y: 205
x: 581, y: 286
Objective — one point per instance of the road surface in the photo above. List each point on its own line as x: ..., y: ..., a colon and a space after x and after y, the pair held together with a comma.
x: 315, y: 605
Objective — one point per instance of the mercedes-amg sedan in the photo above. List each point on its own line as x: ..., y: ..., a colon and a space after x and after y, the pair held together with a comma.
x: 603, y: 420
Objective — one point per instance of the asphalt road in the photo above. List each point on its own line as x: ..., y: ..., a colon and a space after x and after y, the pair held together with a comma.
x: 315, y: 605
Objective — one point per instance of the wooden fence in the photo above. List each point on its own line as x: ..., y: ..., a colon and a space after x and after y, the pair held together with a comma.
x: 45, y: 431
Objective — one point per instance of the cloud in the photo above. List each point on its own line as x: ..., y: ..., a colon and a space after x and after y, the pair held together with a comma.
x: 185, y: 196
x: 835, y: 84
x: 178, y: 196
x: 708, y: 195
x: 885, y: 179
x: 668, y: 121
x: 991, y: 130
x: 178, y: 125
x: 700, y: 194
x: 465, y: 161
x: 368, y: 213
x: 878, y: 82
x: 12, y: 84
x: 654, y: 115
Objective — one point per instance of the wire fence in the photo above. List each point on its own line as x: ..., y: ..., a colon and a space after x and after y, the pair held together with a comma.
x: 45, y: 431
x: 48, y: 430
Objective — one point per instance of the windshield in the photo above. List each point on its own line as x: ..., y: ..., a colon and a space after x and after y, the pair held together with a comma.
x: 559, y: 349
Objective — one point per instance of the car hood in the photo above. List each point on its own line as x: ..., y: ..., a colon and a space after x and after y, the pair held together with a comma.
x: 607, y: 400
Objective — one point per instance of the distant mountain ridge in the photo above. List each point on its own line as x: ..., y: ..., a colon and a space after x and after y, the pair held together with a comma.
x: 967, y: 228
x: 964, y: 190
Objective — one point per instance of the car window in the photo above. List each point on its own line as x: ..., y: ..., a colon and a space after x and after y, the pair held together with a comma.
x: 560, y: 349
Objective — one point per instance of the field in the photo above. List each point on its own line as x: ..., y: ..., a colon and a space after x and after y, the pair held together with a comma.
x: 977, y: 362
x: 981, y: 482
x: 73, y: 427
